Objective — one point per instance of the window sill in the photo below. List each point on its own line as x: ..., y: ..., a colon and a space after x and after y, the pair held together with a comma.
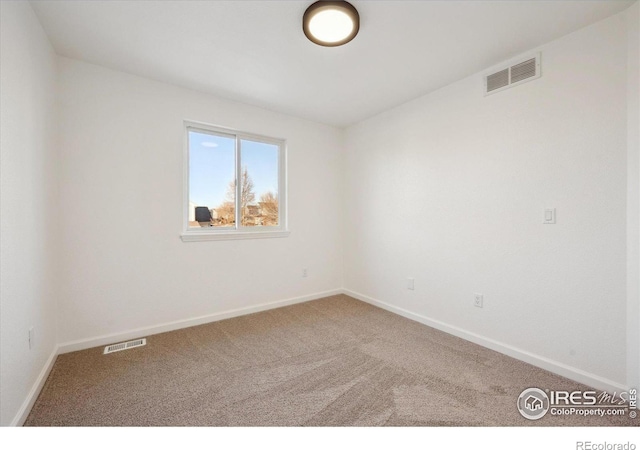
x: 230, y: 235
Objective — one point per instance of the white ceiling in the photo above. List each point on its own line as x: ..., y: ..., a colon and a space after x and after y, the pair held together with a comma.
x: 255, y: 51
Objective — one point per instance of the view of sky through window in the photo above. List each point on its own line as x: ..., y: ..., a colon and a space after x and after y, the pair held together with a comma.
x: 212, y: 165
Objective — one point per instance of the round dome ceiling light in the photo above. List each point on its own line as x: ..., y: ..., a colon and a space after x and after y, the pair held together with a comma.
x: 331, y: 24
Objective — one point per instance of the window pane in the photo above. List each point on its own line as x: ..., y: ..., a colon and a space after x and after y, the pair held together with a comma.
x: 259, y: 194
x: 212, y: 177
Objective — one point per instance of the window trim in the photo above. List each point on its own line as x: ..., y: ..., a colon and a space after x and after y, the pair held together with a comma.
x: 239, y: 231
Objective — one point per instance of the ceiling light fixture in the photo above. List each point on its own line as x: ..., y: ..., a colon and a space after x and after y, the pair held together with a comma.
x: 331, y: 24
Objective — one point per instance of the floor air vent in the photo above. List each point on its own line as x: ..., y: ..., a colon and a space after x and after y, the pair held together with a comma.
x: 523, y: 70
x: 124, y: 346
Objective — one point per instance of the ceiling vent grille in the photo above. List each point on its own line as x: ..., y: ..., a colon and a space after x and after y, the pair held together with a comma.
x: 124, y: 346
x: 523, y: 70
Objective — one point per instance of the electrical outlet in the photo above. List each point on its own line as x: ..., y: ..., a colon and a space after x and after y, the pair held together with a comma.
x: 410, y: 284
x: 305, y: 273
x: 32, y: 341
x: 478, y: 300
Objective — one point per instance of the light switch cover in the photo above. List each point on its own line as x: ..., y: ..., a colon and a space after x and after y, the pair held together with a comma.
x: 549, y: 216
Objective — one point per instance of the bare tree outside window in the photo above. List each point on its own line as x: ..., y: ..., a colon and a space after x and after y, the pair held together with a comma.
x: 225, y: 214
x: 247, y: 199
x: 262, y: 213
x: 269, y: 208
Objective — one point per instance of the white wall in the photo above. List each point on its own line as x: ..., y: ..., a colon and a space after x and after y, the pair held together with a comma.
x: 124, y: 265
x: 450, y: 189
x: 633, y: 194
x: 27, y: 205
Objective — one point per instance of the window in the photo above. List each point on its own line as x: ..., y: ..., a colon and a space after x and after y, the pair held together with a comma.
x: 234, y: 185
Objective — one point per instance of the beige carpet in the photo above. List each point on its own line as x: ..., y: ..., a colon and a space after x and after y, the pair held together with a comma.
x: 330, y: 362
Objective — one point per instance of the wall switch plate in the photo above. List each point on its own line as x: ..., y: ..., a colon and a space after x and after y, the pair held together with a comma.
x: 305, y: 273
x: 410, y: 284
x: 549, y: 216
x: 478, y: 300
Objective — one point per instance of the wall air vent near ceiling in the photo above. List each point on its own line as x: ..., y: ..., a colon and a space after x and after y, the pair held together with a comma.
x: 521, y: 71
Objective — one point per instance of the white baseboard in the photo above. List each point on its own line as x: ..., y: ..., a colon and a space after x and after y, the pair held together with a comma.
x: 25, y: 409
x: 98, y: 341
x: 561, y: 369
x: 556, y: 367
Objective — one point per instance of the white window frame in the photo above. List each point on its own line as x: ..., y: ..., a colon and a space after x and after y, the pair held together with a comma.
x: 238, y: 231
